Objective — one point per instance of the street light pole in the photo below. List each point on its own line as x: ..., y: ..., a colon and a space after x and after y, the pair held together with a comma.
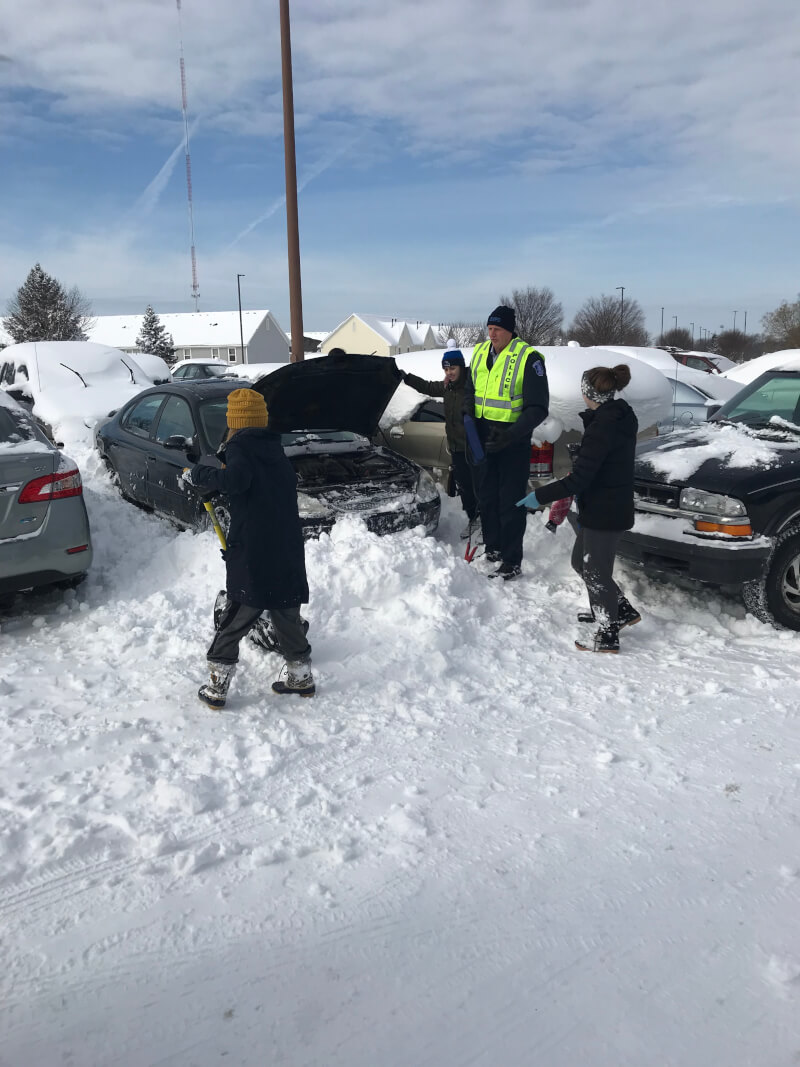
x: 292, y: 223
x: 745, y: 324
x: 734, y: 322
x: 675, y: 317
x: 241, y: 331
x: 692, y: 325
x: 662, y: 325
x: 621, y: 312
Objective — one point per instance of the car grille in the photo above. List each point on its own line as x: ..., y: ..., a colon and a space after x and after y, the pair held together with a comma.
x: 665, y: 496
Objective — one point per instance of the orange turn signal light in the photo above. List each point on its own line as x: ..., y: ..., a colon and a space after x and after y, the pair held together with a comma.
x: 744, y: 530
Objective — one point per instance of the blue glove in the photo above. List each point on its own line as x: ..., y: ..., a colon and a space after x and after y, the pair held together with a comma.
x: 528, y: 501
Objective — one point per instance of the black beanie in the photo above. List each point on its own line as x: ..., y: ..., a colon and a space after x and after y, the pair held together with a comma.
x: 503, y: 317
x: 453, y: 357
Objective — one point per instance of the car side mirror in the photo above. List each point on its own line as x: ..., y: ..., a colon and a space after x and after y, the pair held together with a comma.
x: 180, y: 443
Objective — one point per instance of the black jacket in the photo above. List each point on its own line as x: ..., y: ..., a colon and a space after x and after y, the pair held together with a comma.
x: 453, y: 394
x: 602, y: 474
x: 265, y: 558
x: 535, y: 403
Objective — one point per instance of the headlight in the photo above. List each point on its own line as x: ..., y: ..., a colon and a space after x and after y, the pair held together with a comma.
x: 711, y: 504
x: 426, y: 489
x: 310, y: 508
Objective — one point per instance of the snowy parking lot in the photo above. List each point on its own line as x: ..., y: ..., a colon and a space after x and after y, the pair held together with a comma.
x: 475, y: 846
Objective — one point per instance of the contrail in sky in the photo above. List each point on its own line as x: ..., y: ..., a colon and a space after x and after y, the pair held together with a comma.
x: 309, y: 176
x: 152, y: 194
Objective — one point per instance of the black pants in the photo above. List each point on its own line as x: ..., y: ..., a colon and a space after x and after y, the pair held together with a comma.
x: 462, y: 471
x: 502, y: 480
x: 238, y: 619
x: 593, y: 558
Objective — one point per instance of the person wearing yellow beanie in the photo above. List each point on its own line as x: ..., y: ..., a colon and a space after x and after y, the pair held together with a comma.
x: 265, y: 558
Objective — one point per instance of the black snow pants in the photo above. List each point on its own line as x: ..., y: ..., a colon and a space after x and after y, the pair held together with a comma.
x: 502, y: 480
x: 462, y: 471
x: 593, y: 558
x: 238, y: 619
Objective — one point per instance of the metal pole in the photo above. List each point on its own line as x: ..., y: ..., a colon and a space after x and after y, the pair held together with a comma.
x: 676, y: 321
x: 241, y: 331
x: 621, y: 312
x: 745, y: 324
x: 734, y: 322
x: 292, y: 225
x: 662, y: 324
x: 692, y: 325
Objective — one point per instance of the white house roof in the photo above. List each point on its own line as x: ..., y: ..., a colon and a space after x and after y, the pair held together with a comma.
x: 390, y: 329
x: 187, y: 328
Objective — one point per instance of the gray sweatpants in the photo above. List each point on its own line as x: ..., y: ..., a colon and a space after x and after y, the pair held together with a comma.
x: 238, y: 619
x: 593, y: 559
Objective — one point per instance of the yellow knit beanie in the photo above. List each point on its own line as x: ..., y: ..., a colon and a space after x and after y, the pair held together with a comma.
x: 246, y: 407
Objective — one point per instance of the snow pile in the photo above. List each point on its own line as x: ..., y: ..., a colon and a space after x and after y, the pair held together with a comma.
x: 469, y: 816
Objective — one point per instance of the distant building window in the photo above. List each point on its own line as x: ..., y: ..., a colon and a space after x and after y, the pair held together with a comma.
x: 214, y: 351
x: 187, y: 352
x: 231, y: 355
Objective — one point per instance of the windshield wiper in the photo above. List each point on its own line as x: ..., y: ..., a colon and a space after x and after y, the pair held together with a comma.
x: 85, y: 386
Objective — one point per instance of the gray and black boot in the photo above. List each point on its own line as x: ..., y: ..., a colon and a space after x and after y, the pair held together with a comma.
x: 295, y: 677
x: 627, y: 615
x: 605, y: 640
x: 215, y: 689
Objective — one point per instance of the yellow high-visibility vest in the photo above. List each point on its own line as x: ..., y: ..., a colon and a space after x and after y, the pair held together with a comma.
x: 498, y: 392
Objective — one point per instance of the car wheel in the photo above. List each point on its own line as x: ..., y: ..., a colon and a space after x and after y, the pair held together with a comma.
x: 775, y: 597
x: 113, y: 475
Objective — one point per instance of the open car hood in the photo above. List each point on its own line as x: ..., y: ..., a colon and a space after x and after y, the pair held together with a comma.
x: 348, y: 392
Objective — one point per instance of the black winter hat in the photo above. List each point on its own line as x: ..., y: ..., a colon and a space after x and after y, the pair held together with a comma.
x: 453, y: 357
x: 504, y: 317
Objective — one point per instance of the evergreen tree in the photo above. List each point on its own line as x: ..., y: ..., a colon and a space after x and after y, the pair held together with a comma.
x: 153, y: 337
x: 43, y: 310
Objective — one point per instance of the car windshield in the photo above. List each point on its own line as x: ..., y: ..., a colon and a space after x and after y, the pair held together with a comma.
x: 775, y: 394
x: 217, y: 370
x: 213, y: 417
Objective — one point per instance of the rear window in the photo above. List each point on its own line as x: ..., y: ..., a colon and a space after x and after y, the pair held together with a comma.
x: 16, y: 427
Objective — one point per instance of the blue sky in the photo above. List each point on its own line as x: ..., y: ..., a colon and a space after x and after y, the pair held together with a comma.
x: 448, y: 151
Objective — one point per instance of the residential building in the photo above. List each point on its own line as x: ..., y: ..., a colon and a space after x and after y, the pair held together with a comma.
x: 372, y: 334
x: 203, y: 335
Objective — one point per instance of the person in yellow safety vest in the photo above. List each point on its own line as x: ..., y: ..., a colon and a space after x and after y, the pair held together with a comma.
x: 507, y: 395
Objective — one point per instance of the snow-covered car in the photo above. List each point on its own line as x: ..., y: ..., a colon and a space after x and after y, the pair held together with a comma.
x: 720, y: 503
x: 415, y: 427
x: 326, y: 410
x: 44, y: 528
x: 745, y: 373
x: 156, y: 368
x: 197, y: 370
x: 70, y: 385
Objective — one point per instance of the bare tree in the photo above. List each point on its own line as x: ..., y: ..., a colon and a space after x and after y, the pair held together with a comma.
x: 604, y: 320
x: 539, y: 314
x: 782, y: 326
x: 43, y: 310
x: 677, y: 338
x: 464, y: 334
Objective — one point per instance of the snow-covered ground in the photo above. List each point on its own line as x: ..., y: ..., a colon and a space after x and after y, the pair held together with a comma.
x: 475, y: 846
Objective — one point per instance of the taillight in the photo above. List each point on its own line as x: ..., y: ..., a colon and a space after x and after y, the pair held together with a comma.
x: 542, y: 460
x: 52, y: 487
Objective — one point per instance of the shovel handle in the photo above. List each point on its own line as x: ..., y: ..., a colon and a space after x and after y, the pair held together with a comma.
x: 215, y: 523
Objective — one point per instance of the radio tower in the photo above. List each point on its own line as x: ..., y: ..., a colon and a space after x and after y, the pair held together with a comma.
x: 195, y: 286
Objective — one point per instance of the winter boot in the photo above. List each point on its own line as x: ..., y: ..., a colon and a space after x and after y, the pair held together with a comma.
x: 507, y: 571
x: 295, y: 677
x: 605, y: 640
x: 215, y: 690
x: 627, y: 615
x: 492, y: 555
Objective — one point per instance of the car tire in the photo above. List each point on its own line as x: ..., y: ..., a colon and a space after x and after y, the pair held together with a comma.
x: 775, y: 597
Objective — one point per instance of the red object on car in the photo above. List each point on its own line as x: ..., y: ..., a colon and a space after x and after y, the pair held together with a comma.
x: 52, y: 487
x: 542, y: 460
